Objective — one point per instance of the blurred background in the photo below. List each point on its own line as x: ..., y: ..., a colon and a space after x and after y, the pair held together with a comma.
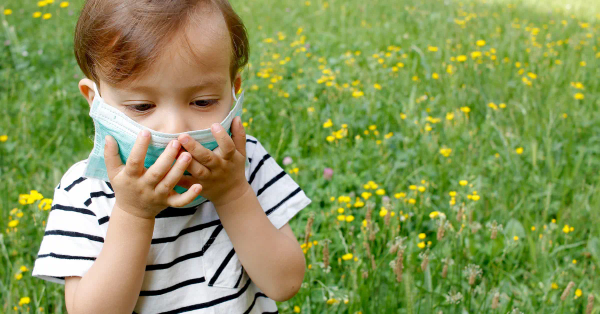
x: 451, y: 148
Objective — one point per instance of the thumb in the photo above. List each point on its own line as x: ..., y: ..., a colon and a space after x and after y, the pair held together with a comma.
x: 112, y: 160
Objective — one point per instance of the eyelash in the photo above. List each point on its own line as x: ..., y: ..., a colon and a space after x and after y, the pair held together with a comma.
x: 210, y: 103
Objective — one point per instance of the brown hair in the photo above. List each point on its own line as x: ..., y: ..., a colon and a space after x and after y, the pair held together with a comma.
x: 119, y: 39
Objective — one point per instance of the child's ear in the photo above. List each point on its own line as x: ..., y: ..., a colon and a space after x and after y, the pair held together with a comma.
x: 237, y: 83
x: 86, y: 87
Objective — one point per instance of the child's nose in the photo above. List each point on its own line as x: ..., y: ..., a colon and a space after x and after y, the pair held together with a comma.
x: 175, y: 122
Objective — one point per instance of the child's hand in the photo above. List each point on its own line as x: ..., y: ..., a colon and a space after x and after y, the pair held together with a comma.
x: 221, y: 172
x: 146, y: 192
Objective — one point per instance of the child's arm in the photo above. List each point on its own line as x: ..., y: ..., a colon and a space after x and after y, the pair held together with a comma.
x: 113, y: 283
x: 273, y: 260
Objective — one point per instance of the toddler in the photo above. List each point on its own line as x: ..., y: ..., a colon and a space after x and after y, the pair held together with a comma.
x: 176, y: 209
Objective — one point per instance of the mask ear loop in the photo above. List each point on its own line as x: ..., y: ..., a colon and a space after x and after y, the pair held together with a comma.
x: 233, y: 93
x: 96, y: 92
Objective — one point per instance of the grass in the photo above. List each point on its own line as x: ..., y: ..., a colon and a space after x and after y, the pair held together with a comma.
x: 518, y: 120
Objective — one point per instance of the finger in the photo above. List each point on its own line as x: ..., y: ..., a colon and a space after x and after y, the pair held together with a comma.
x: 112, y: 160
x: 135, y: 162
x: 162, y: 165
x: 187, y: 181
x: 239, y: 135
x: 202, y: 154
x: 178, y: 200
x: 197, y: 170
x: 226, y: 145
x: 173, y: 176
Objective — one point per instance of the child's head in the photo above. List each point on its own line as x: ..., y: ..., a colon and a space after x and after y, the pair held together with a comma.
x: 169, y: 65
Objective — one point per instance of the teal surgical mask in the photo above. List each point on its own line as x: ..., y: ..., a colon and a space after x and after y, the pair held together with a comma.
x: 109, y: 120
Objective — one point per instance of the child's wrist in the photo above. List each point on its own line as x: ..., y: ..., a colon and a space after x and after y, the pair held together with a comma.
x: 233, y: 195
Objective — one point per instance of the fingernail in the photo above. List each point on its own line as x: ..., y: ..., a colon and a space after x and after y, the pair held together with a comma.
x: 185, y: 158
x: 106, y: 140
x: 216, y: 127
x: 174, y: 144
x: 145, y: 133
x: 185, y: 140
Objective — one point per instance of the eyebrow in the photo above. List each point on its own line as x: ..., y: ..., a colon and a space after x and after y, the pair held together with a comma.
x: 216, y: 81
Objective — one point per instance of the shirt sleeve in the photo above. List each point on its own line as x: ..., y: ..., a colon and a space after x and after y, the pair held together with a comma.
x: 73, y: 237
x: 279, y: 195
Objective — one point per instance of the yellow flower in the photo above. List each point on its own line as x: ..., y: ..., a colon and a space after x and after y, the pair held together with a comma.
x: 461, y: 58
x: 432, y: 48
x: 366, y: 195
x: 421, y: 245
x: 465, y: 109
x: 582, y: 63
x: 45, y: 204
x: 532, y: 228
x: 7, y: 11
x: 475, y: 197
x: 349, y: 218
x: 452, y: 193
x: 347, y: 256
x: 383, y: 212
x: 519, y: 150
x: 357, y: 94
x: 24, y: 268
x: 341, y: 217
x: 516, y: 238
x: 380, y: 192
x: 330, y: 138
x: 412, y: 187
x: 296, y: 309
x: 463, y: 182
x: 579, y: 96
x: 480, y: 43
x: 434, y: 214
x: 400, y: 195
x: 554, y: 286
x: 24, y: 300
x: 3, y: 138
x: 532, y: 75
x: 64, y: 4
x: 327, y: 123
x: 421, y: 189
x: 332, y: 300
x: 578, y: 293
x: 422, y: 236
x: 412, y: 201
x: 566, y: 229
x: 435, y: 76
x: 13, y: 223
x: 377, y: 86
x: 47, y: 16
x: 18, y: 276
x: 574, y: 261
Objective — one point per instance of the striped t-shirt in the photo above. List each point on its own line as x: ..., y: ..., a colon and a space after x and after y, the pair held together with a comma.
x: 192, y: 265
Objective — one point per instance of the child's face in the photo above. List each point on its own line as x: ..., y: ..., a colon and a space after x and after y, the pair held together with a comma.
x: 178, y: 95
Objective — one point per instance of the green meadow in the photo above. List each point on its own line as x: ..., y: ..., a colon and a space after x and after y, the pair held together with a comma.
x: 451, y: 148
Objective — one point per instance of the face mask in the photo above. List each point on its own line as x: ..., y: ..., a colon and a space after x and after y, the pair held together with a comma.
x: 110, y: 121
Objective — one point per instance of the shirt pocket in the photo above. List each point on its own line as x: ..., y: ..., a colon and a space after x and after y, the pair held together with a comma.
x: 222, y: 268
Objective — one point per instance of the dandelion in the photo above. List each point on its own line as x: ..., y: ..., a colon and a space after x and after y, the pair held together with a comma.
x: 519, y: 150
x: 480, y: 43
x: 357, y: 94
x: 7, y: 11
x: 463, y: 182
x: 579, y: 96
x: 327, y: 124
x: 64, y: 4
x: 24, y: 300
x: 578, y: 293
x: 47, y: 16
x: 296, y: 309
x: 432, y: 48
x: 435, y: 76
x: 3, y: 138
x: 377, y: 86
x: 347, y: 256
x: 421, y: 245
x: 13, y: 223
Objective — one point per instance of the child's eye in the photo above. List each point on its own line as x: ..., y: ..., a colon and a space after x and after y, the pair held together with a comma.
x: 204, y: 102
x: 140, y: 108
